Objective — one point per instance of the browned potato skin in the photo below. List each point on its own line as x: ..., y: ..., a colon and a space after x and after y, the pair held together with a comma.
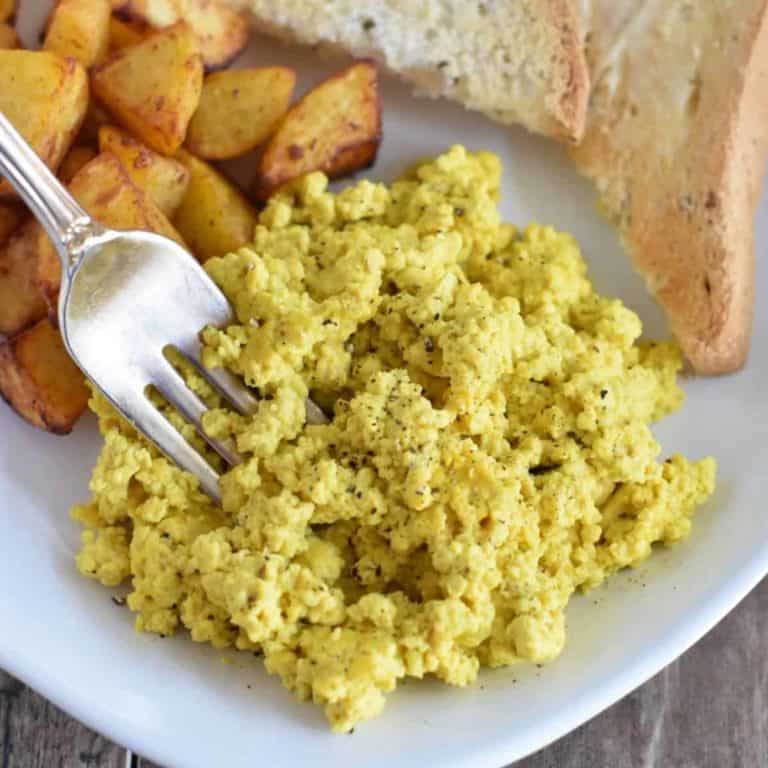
x: 39, y: 380
x: 238, y: 110
x: 222, y: 31
x: 335, y: 128
x: 152, y: 89
x: 104, y: 189
x: 74, y: 160
x: 123, y: 34
x: 21, y: 301
x: 8, y: 37
x: 11, y: 216
x: 45, y: 96
x: 214, y: 218
x: 7, y: 10
x: 79, y: 28
x: 164, y: 179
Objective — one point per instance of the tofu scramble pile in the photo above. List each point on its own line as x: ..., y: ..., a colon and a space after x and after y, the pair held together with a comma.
x: 489, y: 452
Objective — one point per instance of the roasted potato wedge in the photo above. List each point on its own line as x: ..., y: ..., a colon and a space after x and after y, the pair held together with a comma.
x: 39, y: 380
x: 164, y: 179
x: 222, y: 31
x: 21, y: 301
x: 79, y: 28
x: 335, y: 128
x: 8, y: 37
x: 45, y: 96
x: 153, y: 88
x: 123, y: 34
x: 7, y: 10
x: 11, y: 215
x: 214, y: 218
x: 239, y: 108
x: 74, y: 160
x: 105, y: 190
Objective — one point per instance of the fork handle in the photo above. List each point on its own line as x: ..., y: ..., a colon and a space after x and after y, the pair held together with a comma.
x: 60, y: 214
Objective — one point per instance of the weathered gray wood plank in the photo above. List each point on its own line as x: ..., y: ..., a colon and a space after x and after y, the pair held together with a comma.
x: 35, y: 734
x: 707, y: 710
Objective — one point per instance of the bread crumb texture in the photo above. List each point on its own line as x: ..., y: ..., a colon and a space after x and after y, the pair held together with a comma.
x: 489, y: 454
x: 518, y: 61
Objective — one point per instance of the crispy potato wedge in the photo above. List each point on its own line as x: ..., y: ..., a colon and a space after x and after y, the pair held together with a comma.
x: 153, y: 88
x: 11, y: 215
x: 222, y: 31
x: 74, y: 160
x: 335, y: 128
x: 164, y: 179
x: 39, y: 380
x: 7, y: 10
x: 45, y: 96
x: 123, y: 34
x: 239, y: 108
x: 21, y: 301
x: 105, y: 190
x: 8, y: 37
x: 79, y: 28
x: 214, y: 217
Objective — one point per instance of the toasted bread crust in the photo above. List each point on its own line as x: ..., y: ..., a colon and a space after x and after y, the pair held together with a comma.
x: 686, y: 209
x: 569, y: 95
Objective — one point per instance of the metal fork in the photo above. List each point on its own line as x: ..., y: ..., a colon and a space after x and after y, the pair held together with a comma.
x: 125, y: 298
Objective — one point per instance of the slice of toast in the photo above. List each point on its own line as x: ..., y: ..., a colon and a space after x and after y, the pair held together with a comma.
x: 517, y: 61
x: 676, y: 142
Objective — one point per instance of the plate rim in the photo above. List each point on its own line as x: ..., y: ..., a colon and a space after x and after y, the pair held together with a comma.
x: 688, y: 630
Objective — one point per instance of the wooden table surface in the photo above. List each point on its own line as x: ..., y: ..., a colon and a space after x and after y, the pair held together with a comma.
x: 707, y: 710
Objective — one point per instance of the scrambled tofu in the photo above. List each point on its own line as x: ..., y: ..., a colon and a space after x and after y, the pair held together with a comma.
x: 488, y: 456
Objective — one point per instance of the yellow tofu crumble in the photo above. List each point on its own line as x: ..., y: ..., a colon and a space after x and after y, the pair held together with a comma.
x: 489, y: 452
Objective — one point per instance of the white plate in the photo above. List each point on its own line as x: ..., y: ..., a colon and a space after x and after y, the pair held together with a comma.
x: 178, y: 704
